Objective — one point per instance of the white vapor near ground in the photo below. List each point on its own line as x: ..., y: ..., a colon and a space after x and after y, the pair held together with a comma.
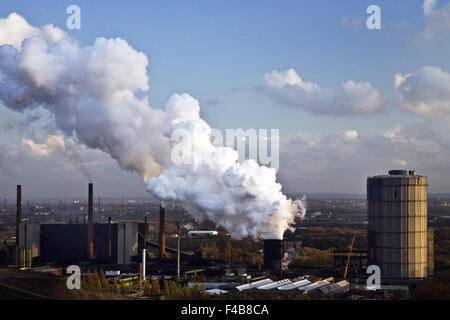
x: 91, y: 91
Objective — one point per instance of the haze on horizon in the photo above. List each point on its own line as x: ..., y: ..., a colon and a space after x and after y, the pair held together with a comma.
x: 349, y: 102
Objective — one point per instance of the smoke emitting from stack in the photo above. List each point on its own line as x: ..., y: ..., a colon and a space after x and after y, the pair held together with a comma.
x: 91, y: 93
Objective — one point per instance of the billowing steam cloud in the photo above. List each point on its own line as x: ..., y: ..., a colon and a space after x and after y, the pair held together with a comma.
x: 63, y: 146
x: 91, y: 92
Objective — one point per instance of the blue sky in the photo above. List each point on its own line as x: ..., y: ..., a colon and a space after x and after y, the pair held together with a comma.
x: 220, y: 50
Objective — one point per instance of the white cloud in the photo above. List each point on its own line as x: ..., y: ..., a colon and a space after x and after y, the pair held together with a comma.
x: 353, y: 98
x: 55, y: 146
x: 36, y: 148
x: 352, y: 24
x: 403, y: 139
x: 400, y: 162
x: 335, y: 163
x: 351, y: 135
x: 437, y: 20
x: 15, y: 29
x: 426, y: 92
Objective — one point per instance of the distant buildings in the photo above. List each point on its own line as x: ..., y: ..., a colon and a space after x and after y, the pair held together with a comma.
x: 397, y: 232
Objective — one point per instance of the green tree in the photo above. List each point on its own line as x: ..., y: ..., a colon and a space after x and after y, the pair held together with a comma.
x: 115, y: 284
x: 202, y: 290
x: 173, y: 288
x: 228, y: 251
x: 166, y: 288
x: 103, y: 281
x: 96, y: 280
x: 147, y: 287
x: 155, y: 287
x: 186, y: 291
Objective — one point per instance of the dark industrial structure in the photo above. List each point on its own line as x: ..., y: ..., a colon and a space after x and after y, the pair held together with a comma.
x: 90, y: 231
x: 356, y: 259
x: 273, y: 255
x: 18, y: 213
x: 114, y: 243
x: 162, y: 233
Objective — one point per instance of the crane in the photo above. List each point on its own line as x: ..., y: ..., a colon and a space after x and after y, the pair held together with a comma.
x: 349, y: 255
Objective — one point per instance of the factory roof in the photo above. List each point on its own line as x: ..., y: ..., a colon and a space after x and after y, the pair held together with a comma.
x: 254, y: 284
x: 314, y: 286
x: 399, y: 174
x: 215, y: 291
x: 335, y: 287
x: 274, y: 285
x: 208, y: 232
x: 303, y: 284
x: 295, y: 285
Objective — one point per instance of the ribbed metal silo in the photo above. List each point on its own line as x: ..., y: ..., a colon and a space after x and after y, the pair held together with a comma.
x: 397, y: 231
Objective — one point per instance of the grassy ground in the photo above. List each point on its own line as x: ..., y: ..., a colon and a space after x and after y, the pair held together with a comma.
x: 31, y: 285
x: 9, y: 293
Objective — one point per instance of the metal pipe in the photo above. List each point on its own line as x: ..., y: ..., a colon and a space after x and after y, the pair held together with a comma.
x: 90, y: 248
x: 162, y: 234
x: 143, y: 263
x: 140, y: 276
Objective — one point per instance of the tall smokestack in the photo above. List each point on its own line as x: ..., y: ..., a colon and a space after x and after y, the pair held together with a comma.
x: 90, y: 248
x: 162, y: 233
x: 273, y: 255
x: 18, y: 213
x: 109, y: 238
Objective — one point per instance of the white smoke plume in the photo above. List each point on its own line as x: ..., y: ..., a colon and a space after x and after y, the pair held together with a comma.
x: 91, y: 91
x: 286, y: 261
x: 63, y: 146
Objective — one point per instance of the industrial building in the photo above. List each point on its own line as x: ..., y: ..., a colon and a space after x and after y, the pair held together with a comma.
x: 116, y: 243
x: 111, y: 243
x: 398, y: 238
x: 302, y: 285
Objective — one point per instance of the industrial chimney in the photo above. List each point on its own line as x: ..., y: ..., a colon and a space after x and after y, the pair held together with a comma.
x: 18, y: 213
x: 273, y: 255
x: 90, y: 240
x: 162, y: 233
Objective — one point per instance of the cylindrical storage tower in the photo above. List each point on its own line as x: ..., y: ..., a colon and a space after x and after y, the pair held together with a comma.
x: 397, y: 231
